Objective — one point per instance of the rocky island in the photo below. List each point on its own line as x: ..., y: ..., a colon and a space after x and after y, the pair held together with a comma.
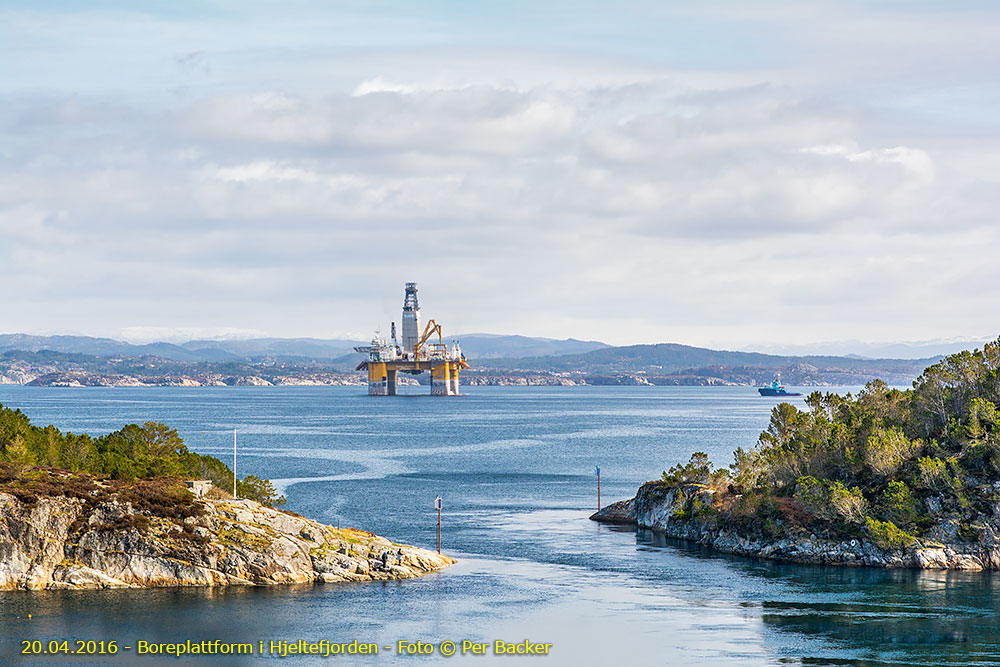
x: 887, y: 478
x: 91, y: 533
x: 125, y: 510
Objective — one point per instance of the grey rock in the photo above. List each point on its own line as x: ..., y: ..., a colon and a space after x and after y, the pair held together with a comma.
x: 235, y: 542
x: 673, y: 512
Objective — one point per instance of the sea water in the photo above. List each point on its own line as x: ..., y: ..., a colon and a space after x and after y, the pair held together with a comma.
x: 515, y: 467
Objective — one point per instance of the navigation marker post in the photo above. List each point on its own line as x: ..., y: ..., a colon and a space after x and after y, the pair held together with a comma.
x: 235, y: 497
x: 598, y: 469
x: 438, y: 504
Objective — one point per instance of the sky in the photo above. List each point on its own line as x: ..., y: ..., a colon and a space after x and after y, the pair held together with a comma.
x: 722, y: 174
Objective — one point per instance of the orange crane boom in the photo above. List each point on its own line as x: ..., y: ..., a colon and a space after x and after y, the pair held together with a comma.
x: 431, y: 328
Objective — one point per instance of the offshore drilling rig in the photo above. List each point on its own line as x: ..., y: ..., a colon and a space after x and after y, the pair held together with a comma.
x: 415, y: 354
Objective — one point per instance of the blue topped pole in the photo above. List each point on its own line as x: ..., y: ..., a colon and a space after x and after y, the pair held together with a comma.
x: 598, y: 469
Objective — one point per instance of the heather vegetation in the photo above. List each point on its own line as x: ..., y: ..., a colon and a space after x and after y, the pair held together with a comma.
x: 135, y: 452
x: 888, y: 465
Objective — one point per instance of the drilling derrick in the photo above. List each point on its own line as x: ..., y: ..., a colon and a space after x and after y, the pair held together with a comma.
x: 411, y: 318
x: 416, y: 353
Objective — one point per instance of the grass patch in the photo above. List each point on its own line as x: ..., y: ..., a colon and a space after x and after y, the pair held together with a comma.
x: 241, y: 538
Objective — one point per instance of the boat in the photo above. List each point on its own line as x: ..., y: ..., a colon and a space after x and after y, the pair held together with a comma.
x: 776, y: 389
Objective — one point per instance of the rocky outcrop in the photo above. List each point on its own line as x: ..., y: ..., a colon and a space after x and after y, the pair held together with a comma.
x: 689, y: 512
x: 85, y: 380
x: 248, y: 381
x: 92, y: 379
x: 66, y: 542
x: 491, y: 380
x: 622, y: 512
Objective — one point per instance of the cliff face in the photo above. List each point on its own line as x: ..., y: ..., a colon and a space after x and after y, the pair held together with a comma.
x: 690, y: 512
x: 68, y: 542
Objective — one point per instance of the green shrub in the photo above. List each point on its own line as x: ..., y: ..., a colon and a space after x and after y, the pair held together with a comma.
x: 703, y: 511
x: 983, y: 420
x: 261, y: 490
x: 982, y: 458
x: 888, y: 449
x: 830, y: 500
x: 933, y: 475
x: 887, y: 535
x: 849, y: 504
x: 696, y: 471
x: 898, y: 504
x: 813, y: 497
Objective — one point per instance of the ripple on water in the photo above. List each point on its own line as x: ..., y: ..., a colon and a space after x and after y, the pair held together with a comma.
x: 515, y: 468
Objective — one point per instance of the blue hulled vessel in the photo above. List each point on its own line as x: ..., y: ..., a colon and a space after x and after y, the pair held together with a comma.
x: 776, y: 389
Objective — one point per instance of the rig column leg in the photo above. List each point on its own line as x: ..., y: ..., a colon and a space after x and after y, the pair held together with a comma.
x: 454, y: 381
x: 377, y: 385
x: 441, y: 379
x: 390, y: 385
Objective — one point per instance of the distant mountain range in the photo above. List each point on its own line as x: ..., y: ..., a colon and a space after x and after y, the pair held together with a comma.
x: 672, y: 363
x: 475, y: 346
x: 492, y: 346
x: 496, y: 359
x: 857, y: 348
x: 673, y: 357
x: 104, y: 347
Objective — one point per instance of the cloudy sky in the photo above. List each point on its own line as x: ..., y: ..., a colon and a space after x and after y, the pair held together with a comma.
x: 719, y: 174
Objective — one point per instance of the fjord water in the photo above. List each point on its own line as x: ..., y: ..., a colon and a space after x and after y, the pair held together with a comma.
x: 515, y: 467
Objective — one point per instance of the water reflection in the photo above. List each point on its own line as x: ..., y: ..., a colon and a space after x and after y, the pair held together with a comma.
x: 867, y: 616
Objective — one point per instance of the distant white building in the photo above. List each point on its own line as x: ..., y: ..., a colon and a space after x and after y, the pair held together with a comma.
x: 199, y: 487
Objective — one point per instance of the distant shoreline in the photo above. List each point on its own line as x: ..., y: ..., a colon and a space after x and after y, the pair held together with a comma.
x: 503, y: 361
x: 84, y: 380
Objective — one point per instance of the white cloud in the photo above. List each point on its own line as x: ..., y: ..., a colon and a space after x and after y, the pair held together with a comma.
x: 264, y: 170
x: 912, y: 159
x: 594, y: 189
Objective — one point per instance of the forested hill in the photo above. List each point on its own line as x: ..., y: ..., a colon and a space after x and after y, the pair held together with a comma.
x: 886, y: 477
x: 152, y: 450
